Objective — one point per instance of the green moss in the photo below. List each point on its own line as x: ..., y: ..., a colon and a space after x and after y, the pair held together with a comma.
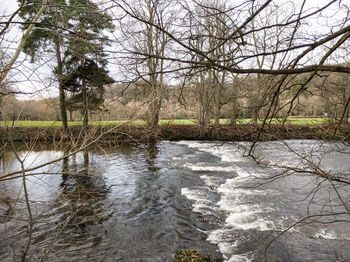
x: 192, y: 256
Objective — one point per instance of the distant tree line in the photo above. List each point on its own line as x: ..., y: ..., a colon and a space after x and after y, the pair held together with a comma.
x: 204, y: 60
x: 326, y: 97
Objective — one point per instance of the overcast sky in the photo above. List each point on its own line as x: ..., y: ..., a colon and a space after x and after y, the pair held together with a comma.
x: 28, y: 80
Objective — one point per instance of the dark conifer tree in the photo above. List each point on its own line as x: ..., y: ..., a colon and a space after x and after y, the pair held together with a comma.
x: 86, y: 63
x: 72, y: 31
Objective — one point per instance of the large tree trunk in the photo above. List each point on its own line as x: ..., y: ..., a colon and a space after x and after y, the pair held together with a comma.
x: 62, y: 98
x: 233, y: 119
x: 202, y: 120
x: 153, y: 116
x: 153, y: 119
x: 204, y: 98
x: 156, y: 42
x: 155, y: 103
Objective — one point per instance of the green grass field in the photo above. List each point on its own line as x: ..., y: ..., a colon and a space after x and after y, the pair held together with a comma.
x: 43, y: 124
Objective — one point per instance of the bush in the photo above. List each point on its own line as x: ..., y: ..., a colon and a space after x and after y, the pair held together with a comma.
x: 192, y: 256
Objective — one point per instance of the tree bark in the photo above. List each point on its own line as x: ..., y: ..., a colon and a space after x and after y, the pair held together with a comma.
x: 156, y: 42
x: 234, y: 113
x: 217, y: 115
x: 346, y: 99
x: 257, y: 98
x: 71, y: 115
x: 85, y: 106
x: 62, y: 97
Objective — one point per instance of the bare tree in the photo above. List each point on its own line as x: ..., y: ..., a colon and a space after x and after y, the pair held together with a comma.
x: 146, y: 38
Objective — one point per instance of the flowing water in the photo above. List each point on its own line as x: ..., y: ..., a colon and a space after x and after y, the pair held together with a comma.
x: 144, y: 204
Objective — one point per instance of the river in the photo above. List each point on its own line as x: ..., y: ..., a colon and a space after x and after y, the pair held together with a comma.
x: 144, y: 204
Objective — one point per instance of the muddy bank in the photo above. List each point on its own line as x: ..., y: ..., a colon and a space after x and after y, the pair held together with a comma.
x: 115, y: 135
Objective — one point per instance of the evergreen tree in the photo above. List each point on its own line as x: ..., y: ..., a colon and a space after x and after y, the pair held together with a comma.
x: 86, y: 63
x: 94, y: 77
x: 72, y: 30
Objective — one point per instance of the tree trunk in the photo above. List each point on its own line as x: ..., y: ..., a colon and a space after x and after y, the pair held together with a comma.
x: 217, y: 116
x: 62, y: 98
x: 257, y: 101
x: 63, y: 109
x: 85, y: 105
x: 65, y: 165
x: 153, y: 119
x: 71, y: 115
x: 154, y: 86
x: 346, y: 116
x: 347, y: 102
x: 233, y: 119
x: 203, y: 119
x: 86, y: 160
x: 217, y: 106
x: 1, y: 97
x: 255, y: 116
x: 154, y: 108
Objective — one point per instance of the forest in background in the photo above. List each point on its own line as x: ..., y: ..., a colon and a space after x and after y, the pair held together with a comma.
x: 323, y: 99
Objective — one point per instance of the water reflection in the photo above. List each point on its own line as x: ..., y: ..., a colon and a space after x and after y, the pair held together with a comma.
x: 82, y: 181
x: 64, y: 222
x: 76, y: 212
x: 151, y: 156
x: 122, y: 205
x: 143, y: 204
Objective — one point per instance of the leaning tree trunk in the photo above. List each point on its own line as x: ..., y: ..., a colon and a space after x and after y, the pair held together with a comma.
x: 346, y: 116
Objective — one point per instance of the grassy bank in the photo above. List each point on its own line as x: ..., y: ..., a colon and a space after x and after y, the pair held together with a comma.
x: 131, y: 132
x: 49, y: 124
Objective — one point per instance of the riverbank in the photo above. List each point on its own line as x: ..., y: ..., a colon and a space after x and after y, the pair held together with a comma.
x: 128, y: 133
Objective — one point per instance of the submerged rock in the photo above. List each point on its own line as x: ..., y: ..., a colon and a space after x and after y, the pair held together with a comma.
x: 193, y: 256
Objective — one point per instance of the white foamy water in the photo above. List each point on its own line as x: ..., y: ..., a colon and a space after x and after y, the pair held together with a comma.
x: 211, y: 181
x: 323, y: 233
x: 202, y: 167
x: 240, y: 215
x: 201, y: 203
x: 228, y: 152
x: 241, y: 258
x: 227, y: 246
x: 246, y: 208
